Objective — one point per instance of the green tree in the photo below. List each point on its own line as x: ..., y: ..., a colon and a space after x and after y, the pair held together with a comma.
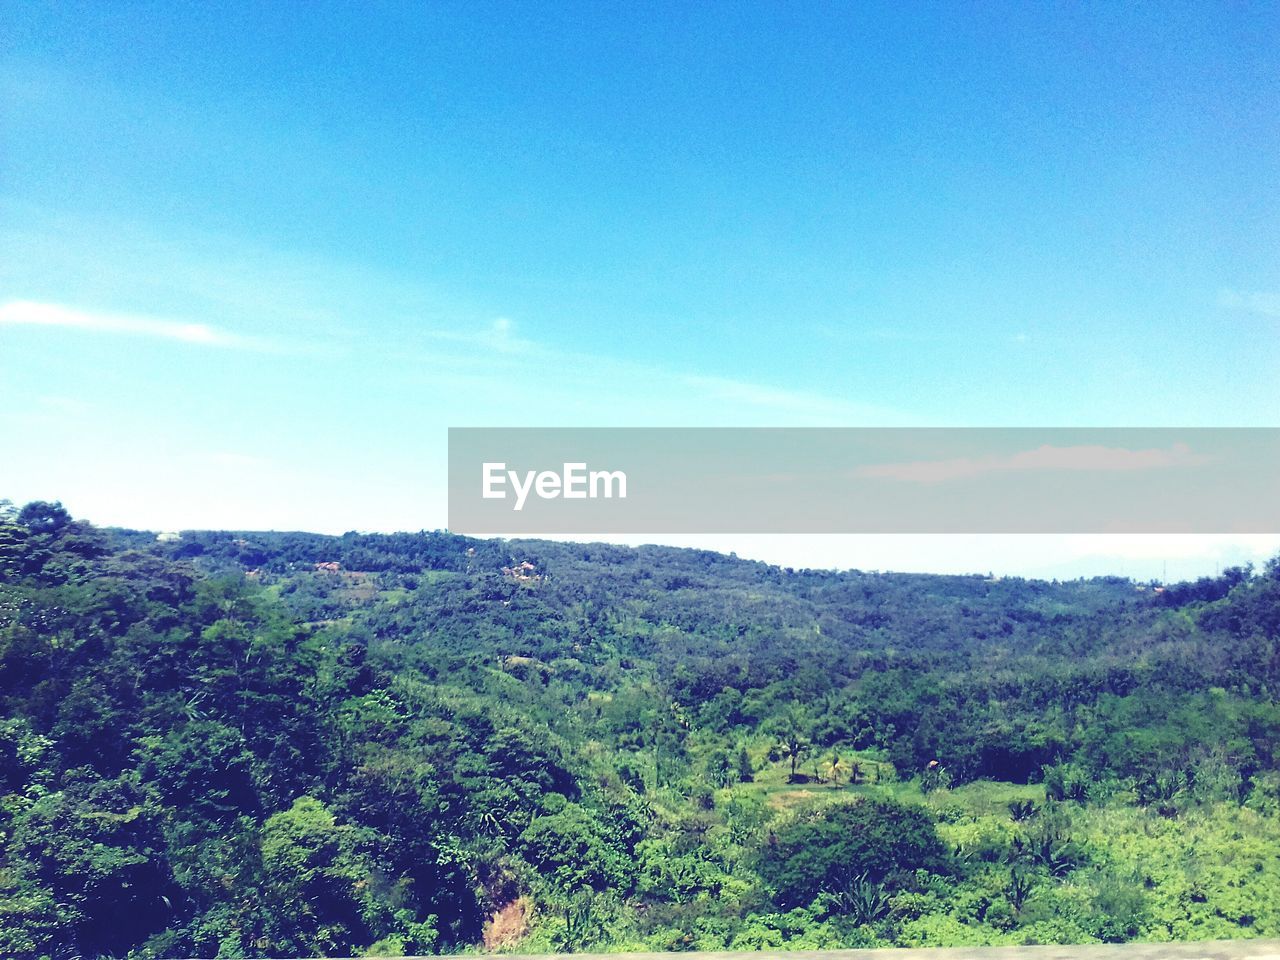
x: 572, y: 849
x: 791, y: 730
x: 313, y: 876
x: 836, y: 768
x: 41, y: 517
x: 96, y: 846
x: 719, y: 769
x: 824, y: 849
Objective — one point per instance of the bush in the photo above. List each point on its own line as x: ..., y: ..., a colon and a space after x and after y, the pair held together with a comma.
x: 825, y: 850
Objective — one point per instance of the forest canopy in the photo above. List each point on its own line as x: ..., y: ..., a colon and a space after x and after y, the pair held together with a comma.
x: 242, y: 744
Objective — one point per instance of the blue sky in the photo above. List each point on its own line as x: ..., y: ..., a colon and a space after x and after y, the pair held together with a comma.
x: 255, y: 259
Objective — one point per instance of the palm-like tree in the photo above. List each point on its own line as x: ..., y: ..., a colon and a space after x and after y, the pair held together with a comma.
x: 836, y: 767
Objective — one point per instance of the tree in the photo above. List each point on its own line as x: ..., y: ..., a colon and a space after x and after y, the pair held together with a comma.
x: 571, y: 849
x: 315, y: 875
x: 39, y: 516
x: 719, y: 769
x: 1018, y: 887
x: 935, y: 777
x: 582, y: 917
x: 97, y: 847
x: 1020, y: 810
x: 792, y: 732
x: 746, y: 772
x: 825, y: 849
x: 836, y: 767
x: 13, y: 546
x: 205, y: 770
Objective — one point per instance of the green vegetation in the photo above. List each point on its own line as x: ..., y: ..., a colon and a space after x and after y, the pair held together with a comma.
x: 238, y: 745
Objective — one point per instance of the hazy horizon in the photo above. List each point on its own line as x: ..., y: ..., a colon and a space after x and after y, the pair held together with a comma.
x: 1145, y: 557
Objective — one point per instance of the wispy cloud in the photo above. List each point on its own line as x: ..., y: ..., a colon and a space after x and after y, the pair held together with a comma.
x: 499, y: 336
x: 31, y: 313
x: 1091, y: 458
x: 497, y: 345
x: 777, y: 398
x: 1264, y: 302
x: 322, y: 308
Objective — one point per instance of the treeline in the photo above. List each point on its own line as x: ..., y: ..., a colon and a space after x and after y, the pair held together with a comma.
x: 251, y: 744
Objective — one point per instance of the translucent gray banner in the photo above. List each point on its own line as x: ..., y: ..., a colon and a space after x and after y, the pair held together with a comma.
x: 863, y: 480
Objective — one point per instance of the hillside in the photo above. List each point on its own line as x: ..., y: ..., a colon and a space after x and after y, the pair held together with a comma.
x: 250, y: 744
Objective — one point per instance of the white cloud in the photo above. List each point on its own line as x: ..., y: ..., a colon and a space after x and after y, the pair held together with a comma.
x: 499, y: 336
x: 30, y: 313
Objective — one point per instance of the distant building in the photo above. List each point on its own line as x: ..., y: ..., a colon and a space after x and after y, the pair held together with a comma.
x: 524, y: 572
x: 328, y: 566
x: 168, y: 537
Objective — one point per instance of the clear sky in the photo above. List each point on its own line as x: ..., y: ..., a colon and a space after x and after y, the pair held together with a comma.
x: 256, y: 258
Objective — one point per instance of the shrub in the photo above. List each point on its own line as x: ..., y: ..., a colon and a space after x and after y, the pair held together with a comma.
x: 825, y: 850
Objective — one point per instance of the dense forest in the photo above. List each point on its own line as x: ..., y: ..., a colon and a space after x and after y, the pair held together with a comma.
x: 226, y: 744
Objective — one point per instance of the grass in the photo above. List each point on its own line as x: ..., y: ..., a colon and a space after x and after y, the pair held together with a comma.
x: 981, y: 798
